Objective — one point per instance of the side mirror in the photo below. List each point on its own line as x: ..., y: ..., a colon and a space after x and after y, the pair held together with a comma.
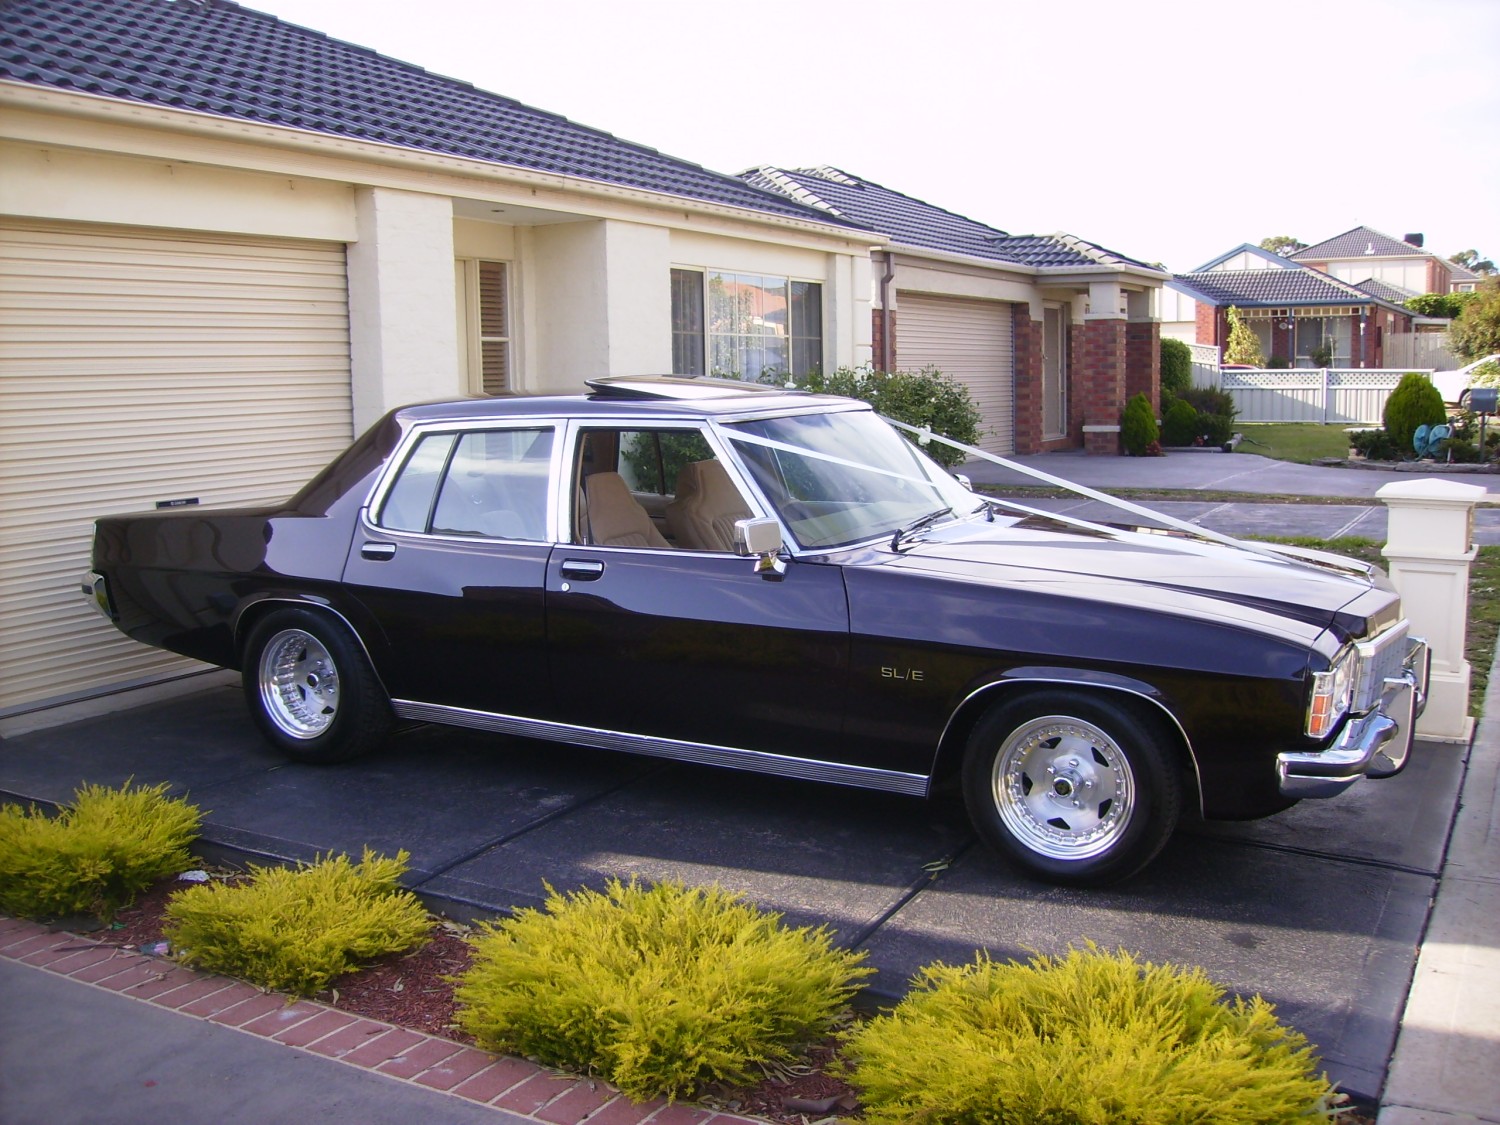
x: 963, y: 480
x: 761, y: 539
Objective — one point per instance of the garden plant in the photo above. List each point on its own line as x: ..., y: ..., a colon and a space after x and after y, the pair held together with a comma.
x: 96, y: 854
x: 1085, y: 1039
x: 296, y: 929
x: 926, y: 398
x: 659, y: 988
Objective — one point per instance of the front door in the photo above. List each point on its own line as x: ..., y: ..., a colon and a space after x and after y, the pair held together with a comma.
x: 696, y: 647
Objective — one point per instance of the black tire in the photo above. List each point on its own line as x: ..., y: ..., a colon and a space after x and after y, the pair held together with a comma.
x: 1073, y: 787
x: 311, y: 690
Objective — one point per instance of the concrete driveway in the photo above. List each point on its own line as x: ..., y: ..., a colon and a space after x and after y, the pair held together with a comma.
x: 1320, y: 909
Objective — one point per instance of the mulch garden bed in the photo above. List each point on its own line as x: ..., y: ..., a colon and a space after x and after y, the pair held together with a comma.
x: 412, y: 990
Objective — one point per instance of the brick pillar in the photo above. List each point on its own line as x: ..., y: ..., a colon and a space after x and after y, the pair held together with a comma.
x: 1100, y: 383
x: 1076, y: 337
x: 1143, y: 361
x: 1027, y: 334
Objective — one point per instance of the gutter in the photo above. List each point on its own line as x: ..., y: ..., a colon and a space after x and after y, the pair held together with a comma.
x: 119, y: 111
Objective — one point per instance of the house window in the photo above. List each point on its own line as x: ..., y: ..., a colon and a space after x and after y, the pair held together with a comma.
x: 687, y: 322
x: 746, y: 326
x: 484, y: 325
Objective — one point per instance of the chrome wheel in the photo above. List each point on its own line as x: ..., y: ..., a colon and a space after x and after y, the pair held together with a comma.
x: 299, y: 684
x: 1063, y: 788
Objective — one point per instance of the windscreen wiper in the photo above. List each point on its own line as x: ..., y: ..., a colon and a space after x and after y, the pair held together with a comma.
x: 917, y: 525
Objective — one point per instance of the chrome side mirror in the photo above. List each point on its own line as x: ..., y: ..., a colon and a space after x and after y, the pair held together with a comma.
x: 761, y: 539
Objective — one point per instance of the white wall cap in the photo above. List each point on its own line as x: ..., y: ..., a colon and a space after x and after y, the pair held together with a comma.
x: 1430, y: 490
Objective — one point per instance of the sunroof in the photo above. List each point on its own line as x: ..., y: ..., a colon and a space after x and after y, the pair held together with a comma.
x: 675, y: 387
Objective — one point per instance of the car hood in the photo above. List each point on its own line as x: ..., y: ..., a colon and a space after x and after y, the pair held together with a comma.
x: 1123, y: 564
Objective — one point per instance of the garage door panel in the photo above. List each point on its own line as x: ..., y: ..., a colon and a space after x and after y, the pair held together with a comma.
x: 137, y: 366
x: 971, y: 341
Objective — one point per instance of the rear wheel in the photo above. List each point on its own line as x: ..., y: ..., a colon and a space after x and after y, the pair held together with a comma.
x: 1074, y: 788
x: 311, y: 690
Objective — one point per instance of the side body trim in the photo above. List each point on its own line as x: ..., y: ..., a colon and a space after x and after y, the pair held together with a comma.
x: 756, y: 761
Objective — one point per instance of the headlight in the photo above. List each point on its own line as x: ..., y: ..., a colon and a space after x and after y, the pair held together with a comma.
x: 1331, y: 693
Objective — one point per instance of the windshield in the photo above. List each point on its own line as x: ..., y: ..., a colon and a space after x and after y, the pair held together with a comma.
x: 845, y: 477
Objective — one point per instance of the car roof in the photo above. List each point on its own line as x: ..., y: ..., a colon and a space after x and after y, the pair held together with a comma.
x: 683, y: 396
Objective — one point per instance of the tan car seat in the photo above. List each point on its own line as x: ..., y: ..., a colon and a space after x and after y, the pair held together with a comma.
x: 703, y: 515
x: 616, y: 518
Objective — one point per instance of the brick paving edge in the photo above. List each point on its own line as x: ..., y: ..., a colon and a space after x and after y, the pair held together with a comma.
x: 441, y: 1065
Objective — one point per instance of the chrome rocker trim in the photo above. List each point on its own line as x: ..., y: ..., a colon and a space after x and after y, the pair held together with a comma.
x: 1374, y: 745
x: 755, y: 761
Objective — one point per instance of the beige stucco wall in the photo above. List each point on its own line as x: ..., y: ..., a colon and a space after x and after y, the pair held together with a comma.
x: 590, y: 293
x: 39, y: 182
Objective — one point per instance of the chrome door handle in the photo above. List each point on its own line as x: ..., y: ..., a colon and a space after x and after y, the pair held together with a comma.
x: 378, y: 552
x: 583, y: 570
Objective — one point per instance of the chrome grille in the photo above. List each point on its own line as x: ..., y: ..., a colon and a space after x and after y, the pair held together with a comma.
x: 1379, y: 658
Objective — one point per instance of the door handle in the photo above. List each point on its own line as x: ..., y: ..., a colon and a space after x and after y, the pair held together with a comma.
x: 378, y: 552
x: 582, y: 570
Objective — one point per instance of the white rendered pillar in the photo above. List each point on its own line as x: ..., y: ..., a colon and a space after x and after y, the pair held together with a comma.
x: 1429, y: 547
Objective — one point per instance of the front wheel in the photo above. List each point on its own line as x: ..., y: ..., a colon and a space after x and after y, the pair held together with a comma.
x: 311, y: 690
x: 1075, y: 789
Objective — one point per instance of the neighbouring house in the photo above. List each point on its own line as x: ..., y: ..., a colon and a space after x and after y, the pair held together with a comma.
x: 1364, y: 254
x: 1300, y: 315
x: 228, y: 244
x: 1050, y: 333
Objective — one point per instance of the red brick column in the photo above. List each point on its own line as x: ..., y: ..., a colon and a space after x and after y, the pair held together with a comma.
x: 1143, y: 361
x: 1100, y: 383
x: 1027, y: 335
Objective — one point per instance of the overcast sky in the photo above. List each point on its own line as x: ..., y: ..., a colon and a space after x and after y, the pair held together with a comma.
x: 1169, y: 131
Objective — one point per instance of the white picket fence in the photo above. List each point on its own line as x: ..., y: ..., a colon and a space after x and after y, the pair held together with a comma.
x: 1327, y: 394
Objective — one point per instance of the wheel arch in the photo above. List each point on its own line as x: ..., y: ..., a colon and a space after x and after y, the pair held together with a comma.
x: 256, y: 609
x: 1138, y: 695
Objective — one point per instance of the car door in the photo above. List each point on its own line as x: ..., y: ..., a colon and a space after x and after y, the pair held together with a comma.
x: 694, y: 645
x: 451, y: 560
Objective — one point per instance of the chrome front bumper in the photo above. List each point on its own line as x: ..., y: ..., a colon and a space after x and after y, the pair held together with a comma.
x: 1375, y: 744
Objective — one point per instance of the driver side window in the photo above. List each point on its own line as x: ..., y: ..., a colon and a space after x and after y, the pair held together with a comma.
x: 654, y: 488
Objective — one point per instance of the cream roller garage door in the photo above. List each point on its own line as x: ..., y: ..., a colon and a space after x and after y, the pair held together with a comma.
x: 139, y: 366
x: 970, y: 340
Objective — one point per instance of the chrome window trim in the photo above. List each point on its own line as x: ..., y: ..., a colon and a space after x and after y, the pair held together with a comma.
x: 398, y: 457
x: 755, y: 761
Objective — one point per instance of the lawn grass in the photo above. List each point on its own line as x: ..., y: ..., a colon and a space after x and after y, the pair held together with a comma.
x: 1302, y: 442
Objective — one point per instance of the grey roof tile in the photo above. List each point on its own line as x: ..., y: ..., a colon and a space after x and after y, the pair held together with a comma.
x: 1361, y: 242
x: 215, y: 57
x: 914, y: 223
x: 1395, y: 294
x: 1270, y: 287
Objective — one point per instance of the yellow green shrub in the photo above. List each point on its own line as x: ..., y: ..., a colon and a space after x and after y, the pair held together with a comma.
x: 657, y: 988
x: 96, y: 854
x: 1086, y: 1039
x: 295, y: 929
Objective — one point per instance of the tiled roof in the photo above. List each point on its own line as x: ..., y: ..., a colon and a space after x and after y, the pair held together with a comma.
x: 1270, y: 287
x: 1385, y: 291
x: 911, y: 222
x: 215, y: 57
x: 1361, y: 242
x: 1462, y: 273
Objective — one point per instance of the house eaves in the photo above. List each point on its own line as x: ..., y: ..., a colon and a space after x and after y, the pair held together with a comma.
x: 284, y: 150
x: 217, y: 59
